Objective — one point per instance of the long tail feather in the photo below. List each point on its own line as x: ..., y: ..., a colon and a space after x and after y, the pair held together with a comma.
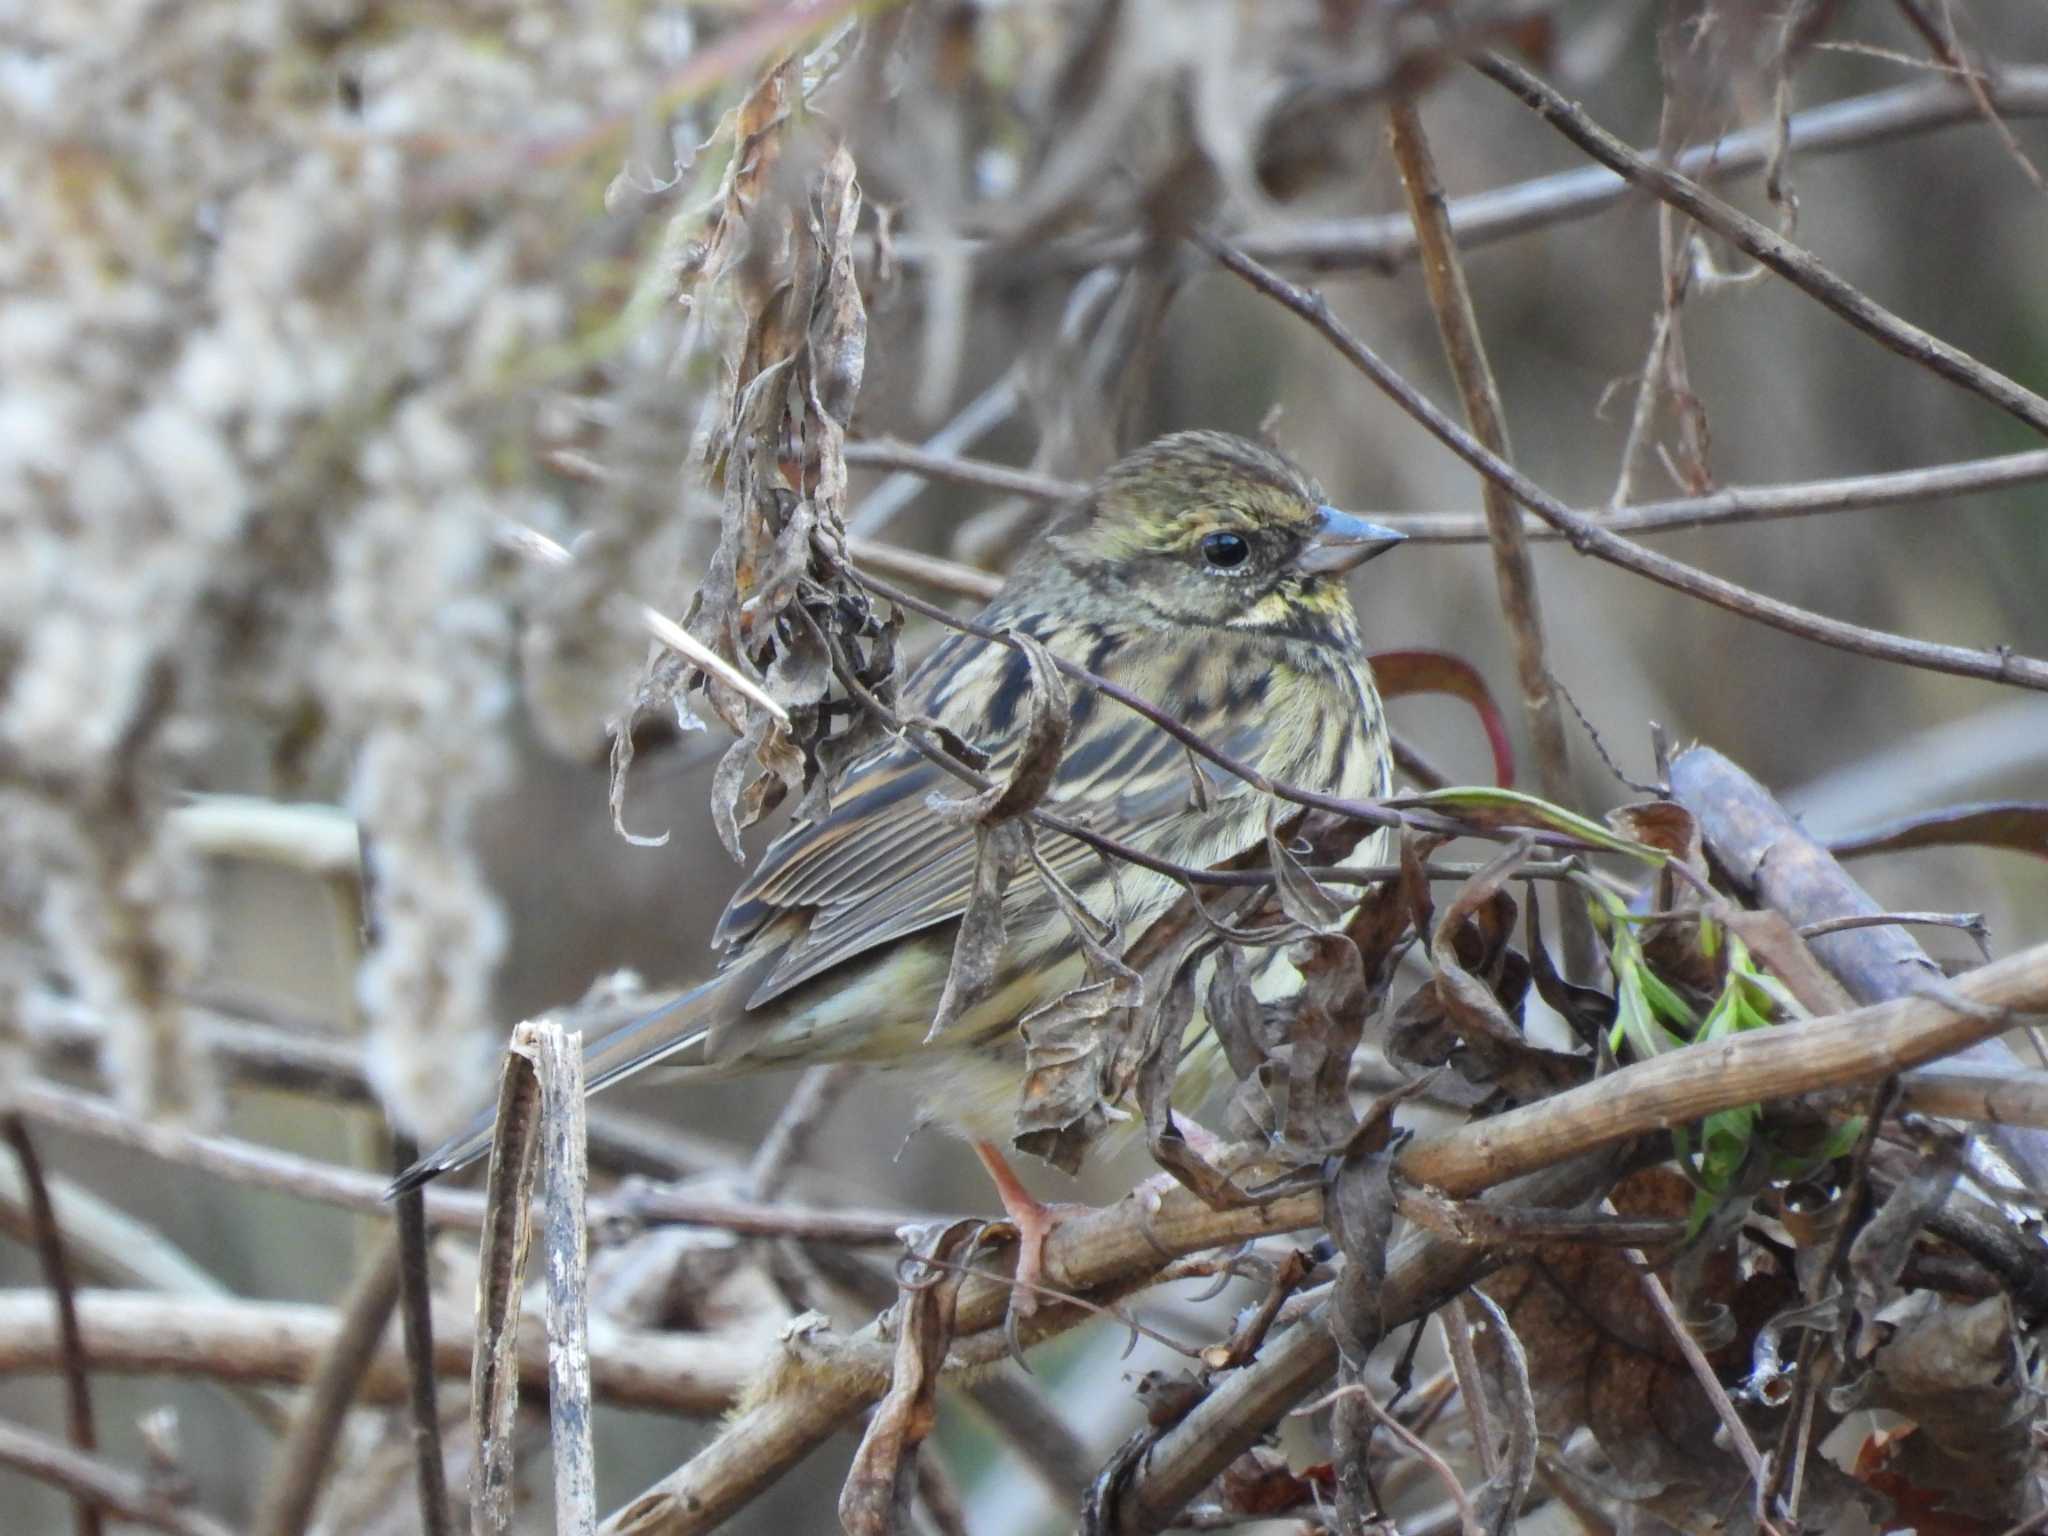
x: 674, y: 1029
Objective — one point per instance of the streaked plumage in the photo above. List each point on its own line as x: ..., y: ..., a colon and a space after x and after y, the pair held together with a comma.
x: 1203, y: 573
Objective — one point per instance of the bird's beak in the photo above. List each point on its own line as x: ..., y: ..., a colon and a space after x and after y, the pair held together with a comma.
x: 1340, y: 542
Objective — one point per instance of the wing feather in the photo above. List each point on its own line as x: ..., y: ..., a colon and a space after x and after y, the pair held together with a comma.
x: 880, y: 866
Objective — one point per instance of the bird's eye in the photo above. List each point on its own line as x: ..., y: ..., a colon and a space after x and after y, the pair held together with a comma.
x: 1225, y: 551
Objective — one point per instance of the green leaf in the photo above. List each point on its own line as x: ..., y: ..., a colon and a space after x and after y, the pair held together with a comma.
x: 1480, y: 806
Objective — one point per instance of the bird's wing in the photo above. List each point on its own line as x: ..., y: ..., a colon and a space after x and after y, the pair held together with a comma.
x: 880, y: 865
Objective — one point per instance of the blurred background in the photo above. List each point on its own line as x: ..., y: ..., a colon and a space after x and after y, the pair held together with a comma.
x: 303, y: 300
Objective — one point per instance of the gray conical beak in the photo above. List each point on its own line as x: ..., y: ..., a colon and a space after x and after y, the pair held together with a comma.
x: 1342, y: 542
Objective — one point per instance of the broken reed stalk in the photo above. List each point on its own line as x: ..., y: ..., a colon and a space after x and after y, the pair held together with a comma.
x: 557, y: 1057
x: 416, y: 1317
x: 501, y: 1271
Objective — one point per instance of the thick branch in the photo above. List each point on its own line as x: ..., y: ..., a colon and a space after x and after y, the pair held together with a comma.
x: 283, y: 1343
x: 1686, y: 1085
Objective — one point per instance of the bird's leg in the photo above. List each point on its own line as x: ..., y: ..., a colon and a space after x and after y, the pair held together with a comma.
x: 1033, y: 1219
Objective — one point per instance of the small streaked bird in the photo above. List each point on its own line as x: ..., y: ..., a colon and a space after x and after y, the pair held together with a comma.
x: 1204, y: 573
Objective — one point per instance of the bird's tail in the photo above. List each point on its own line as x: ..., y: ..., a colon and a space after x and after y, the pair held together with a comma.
x: 673, y: 1034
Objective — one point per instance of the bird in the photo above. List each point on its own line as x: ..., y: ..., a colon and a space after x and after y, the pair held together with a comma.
x: 1204, y: 572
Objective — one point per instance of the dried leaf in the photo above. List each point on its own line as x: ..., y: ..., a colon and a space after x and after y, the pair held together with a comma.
x: 1601, y: 1358
x: 1401, y: 673
x: 875, y: 1500
x: 1327, y: 1020
x: 1498, y: 808
x: 999, y: 847
x: 2019, y: 826
x: 1299, y: 895
x: 1495, y: 1050
x: 1878, y: 1255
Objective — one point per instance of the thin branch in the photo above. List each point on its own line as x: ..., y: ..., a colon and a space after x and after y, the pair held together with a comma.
x: 78, y: 1420
x: 416, y: 1319
x: 301, y: 1461
x: 250, y: 1050
x: 1794, y: 263
x: 1703, y: 1372
x: 939, y: 464
x: 2018, y: 1096
x: 1969, y: 922
x: 983, y: 414
x: 1450, y: 299
x: 1739, y: 505
x: 786, y: 1141
x: 1949, y: 55
x: 1387, y: 243
x: 1587, y: 537
x: 1468, y: 1521
x: 92, y: 1481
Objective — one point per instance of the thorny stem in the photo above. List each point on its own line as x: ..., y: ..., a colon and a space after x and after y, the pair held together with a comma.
x: 1589, y: 538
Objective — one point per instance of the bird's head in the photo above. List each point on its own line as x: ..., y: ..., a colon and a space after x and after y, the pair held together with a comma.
x: 1211, y: 529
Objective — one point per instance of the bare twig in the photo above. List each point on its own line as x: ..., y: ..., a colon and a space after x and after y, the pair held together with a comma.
x: 1588, y: 537
x: 501, y: 1275
x: 416, y: 1316
x: 1703, y: 1372
x: 1736, y: 505
x: 92, y: 1481
x: 49, y: 1241
x: 1388, y: 242
x: 940, y: 464
x: 1791, y: 262
x: 1450, y: 298
x: 1468, y: 1520
x: 301, y: 1461
x: 785, y: 1142
x: 2014, y: 1096
x: 1969, y: 922
x: 1943, y: 45
x: 988, y: 410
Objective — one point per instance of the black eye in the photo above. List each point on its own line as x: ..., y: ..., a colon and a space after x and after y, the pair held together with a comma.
x: 1225, y: 550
